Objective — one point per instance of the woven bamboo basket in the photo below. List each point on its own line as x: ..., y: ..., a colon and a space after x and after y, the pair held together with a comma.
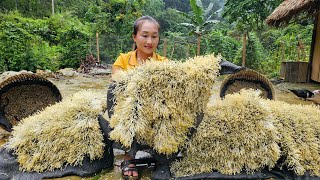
x: 246, y: 79
x: 24, y: 94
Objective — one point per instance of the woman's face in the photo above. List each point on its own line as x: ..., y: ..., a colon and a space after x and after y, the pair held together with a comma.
x: 147, y: 38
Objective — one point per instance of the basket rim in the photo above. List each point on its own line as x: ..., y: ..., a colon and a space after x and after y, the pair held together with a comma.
x: 251, y: 76
x: 22, y: 80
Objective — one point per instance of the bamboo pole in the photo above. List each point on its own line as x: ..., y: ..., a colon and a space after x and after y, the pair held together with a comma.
x: 90, y: 46
x: 174, y: 44
x: 98, y: 54
x: 199, y: 43
x: 52, y: 5
x: 165, y: 47
x: 244, y: 44
x: 188, y: 50
x: 282, y: 49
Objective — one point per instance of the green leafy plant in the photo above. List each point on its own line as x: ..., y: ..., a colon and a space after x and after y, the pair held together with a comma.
x: 255, y: 53
x: 200, y: 19
x: 221, y: 43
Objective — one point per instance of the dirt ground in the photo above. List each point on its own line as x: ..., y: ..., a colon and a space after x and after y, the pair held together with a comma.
x: 283, y: 93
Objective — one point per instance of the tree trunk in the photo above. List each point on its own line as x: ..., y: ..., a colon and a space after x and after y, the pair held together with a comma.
x: 199, y: 41
x: 98, y: 55
x: 244, y: 44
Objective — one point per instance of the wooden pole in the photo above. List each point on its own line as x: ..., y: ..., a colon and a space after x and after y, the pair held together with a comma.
x: 312, y: 49
x: 165, y: 47
x: 244, y: 44
x: 98, y: 54
x: 283, y: 53
x: 90, y: 46
x: 298, y: 50
x: 188, y: 50
x: 199, y: 43
x: 52, y: 4
x: 174, y: 44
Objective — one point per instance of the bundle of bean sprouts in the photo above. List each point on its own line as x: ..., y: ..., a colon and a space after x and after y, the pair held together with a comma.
x: 244, y: 132
x: 157, y: 103
x: 61, y: 134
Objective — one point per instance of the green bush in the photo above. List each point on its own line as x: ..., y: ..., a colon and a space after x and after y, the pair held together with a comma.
x: 255, y: 53
x: 72, y: 37
x: 269, y: 39
x: 220, y: 43
x: 283, y: 45
x: 17, y: 44
x: 75, y: 47
x: 51, y: 43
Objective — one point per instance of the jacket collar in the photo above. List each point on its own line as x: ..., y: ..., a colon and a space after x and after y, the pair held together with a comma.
x: 133, y: 61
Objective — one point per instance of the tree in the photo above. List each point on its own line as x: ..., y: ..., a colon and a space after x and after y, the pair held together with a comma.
x: 113, y: 21
x: 30, y: 8
x: 182, y: 5
x: 154, y: 8
x: 220, y: 43
x: 45, y: 8
x: 248, y: 15
x: 199, y: 19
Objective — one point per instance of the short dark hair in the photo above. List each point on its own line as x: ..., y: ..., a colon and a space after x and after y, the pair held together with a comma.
x: 137, y: 24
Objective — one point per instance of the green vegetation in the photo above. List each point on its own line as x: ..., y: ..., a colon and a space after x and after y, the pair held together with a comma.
x: 49, y: 43
x: 31, y: 37
x: 199, y: 20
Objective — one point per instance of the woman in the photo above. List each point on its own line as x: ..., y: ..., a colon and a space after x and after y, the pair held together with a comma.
x: 146, y: 37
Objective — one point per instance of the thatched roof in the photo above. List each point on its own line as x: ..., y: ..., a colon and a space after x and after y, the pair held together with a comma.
x: 291, y: 8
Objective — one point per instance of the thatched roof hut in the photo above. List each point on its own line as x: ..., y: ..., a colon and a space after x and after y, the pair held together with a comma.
x: 290, y: 9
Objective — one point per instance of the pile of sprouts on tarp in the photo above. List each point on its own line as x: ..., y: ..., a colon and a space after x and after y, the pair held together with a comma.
x: 157, y: 103
x: 62, y: 134
x: 244, y: 132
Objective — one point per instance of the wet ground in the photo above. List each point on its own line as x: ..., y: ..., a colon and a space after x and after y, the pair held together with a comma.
x: 68, y: 86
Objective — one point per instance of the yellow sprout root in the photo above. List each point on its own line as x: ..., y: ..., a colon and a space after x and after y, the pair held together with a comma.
x: 158, y: 102
x: 61, y: 134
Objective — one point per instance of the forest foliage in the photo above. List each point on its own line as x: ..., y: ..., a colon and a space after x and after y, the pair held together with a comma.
x: 32, y: 37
